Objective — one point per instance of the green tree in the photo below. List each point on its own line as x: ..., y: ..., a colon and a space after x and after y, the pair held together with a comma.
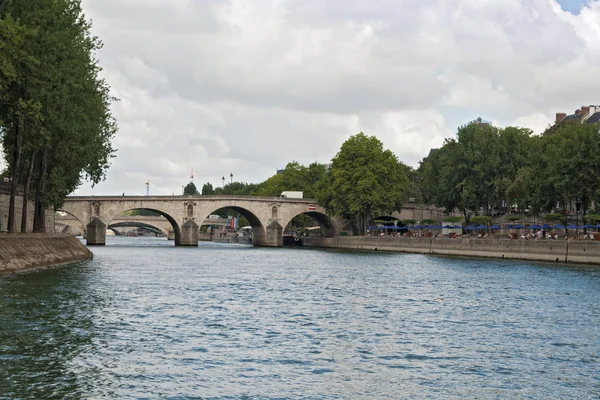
x: 481, y: 220
x: 272, y: 187
x: 557, y: 217
x: 207, y: 189
x: 364, y: 180
x: 236, y: 189
x: 56, y: 123
x: 295, y: 177
x: 190, y: 190
x: 566, y: 167
x: 476, y: 171
x: 440, y: 182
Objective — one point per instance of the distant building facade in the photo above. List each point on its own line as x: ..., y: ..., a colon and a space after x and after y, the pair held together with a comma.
x: 479, y: 121
x: 583, y: 115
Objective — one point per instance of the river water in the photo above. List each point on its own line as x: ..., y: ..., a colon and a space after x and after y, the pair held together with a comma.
x: 145, y: 319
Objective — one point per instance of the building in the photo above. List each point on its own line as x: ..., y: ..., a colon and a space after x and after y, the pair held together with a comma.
x: 479, y: 121
x: 583, y: 115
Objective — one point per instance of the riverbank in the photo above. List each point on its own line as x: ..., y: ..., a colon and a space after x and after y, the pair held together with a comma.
x: 24, y: 252
x: 556, y: 251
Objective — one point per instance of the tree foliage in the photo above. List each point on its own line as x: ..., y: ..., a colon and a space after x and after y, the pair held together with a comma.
x: 486, y: 168
x: 190, y: 190
x: 236, y: 189
x: 295, y: 177
x: 364, y: 180
x: 55, y: 121
x: 481, y: 220
x: 207, y: 189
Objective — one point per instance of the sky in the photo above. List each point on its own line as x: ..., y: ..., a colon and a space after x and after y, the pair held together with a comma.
x: 243, y: 87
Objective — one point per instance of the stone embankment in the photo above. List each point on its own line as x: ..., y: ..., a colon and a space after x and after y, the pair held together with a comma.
x: 23, y: 252
x: 556, y: 251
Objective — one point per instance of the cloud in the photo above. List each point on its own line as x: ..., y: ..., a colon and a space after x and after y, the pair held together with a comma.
x: 245, y: 86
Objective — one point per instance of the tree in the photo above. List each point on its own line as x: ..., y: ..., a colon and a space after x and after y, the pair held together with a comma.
x: 476, y: 171
x: 272, y: 187
x: 55, y: 121
x: 364, y: 180
x: 190, y: 190
x: 440, y: 183
x: 207, y: 189
x: 236, y: 189
x: 295, y: 177
x: 557, y: 217
x: 566, y: 167
x: 481, y: 220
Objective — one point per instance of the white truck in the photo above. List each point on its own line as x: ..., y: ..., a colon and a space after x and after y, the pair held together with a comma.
x: 292, y: 195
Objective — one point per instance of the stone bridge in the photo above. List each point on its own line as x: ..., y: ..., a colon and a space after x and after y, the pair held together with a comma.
x: 268, y: 216
x: 158, y: 224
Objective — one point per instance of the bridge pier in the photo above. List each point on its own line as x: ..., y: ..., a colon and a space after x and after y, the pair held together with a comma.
x: 171, y: 235
x: 273, y: 237
x: 190, y: 232
x: 96, y: 233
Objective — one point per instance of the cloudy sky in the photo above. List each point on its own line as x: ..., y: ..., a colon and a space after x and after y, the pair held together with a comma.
x: 245, y: 86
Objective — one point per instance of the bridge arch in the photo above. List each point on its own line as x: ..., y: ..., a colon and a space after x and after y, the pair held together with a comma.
x: 327, y: 225
x: 81, y: 226
x: 259, y: 232
x: 166, y: 215
x: 141, y: 225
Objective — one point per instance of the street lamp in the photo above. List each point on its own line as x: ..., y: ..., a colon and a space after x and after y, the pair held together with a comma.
x: 223, y: 180
x: 231, y: 177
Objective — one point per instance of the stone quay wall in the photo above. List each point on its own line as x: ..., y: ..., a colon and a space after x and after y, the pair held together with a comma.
x: 555, y: 251
x: 23, y: 252
x: 4, y: 207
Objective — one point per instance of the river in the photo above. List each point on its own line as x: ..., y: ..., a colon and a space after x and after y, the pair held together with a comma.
x: 145, y: 319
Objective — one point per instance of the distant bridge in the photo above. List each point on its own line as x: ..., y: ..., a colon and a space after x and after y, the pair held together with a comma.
x: 158, y: 224
x: 268, y: 216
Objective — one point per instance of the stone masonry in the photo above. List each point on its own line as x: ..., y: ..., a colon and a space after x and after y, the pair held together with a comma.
x: 268, y: 216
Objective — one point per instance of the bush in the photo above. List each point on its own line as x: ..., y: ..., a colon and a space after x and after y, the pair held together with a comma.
x: 555, y: 217
x: 481, y: 220
x: 409, y: 221
x: 593, y: 217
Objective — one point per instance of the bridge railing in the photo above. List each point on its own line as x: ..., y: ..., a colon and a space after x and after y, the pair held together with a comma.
x: 201, y: 197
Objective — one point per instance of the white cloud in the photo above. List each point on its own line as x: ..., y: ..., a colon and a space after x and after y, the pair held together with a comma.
x: 537, y: 122
x: 244, y: 86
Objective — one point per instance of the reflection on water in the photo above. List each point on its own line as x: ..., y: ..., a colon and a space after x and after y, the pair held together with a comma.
x: 145, y: 320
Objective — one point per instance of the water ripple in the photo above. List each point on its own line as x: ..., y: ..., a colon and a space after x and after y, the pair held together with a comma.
x: 148, y: 320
